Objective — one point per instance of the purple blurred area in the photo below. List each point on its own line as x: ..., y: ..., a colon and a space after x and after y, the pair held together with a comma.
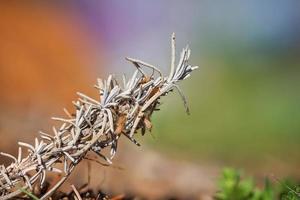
x: 141, y: 27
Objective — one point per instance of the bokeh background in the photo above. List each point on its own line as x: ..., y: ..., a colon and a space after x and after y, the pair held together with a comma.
x: 244, y: 99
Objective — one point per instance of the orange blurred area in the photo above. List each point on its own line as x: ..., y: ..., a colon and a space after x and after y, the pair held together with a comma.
x: 43, y: 56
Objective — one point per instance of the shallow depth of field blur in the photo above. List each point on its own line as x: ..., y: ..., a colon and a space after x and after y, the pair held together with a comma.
x: 244, y: 99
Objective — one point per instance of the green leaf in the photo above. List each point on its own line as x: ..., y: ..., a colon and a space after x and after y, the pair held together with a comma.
x: 29, y: 194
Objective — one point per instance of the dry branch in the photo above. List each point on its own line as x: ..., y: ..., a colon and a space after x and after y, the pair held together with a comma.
x: 95, y: 125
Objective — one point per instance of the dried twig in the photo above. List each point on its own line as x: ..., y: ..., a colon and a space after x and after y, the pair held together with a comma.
x: 77, y: 195
x: 95, y: 125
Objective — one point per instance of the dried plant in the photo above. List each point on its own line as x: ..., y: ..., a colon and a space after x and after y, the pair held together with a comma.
x: 95, y: 125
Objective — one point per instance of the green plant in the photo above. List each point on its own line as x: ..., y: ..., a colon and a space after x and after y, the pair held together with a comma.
x: 232, y: 186
x: 290, y: 191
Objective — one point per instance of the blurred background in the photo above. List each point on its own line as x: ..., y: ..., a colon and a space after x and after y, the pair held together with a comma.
x: 244, y: 99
